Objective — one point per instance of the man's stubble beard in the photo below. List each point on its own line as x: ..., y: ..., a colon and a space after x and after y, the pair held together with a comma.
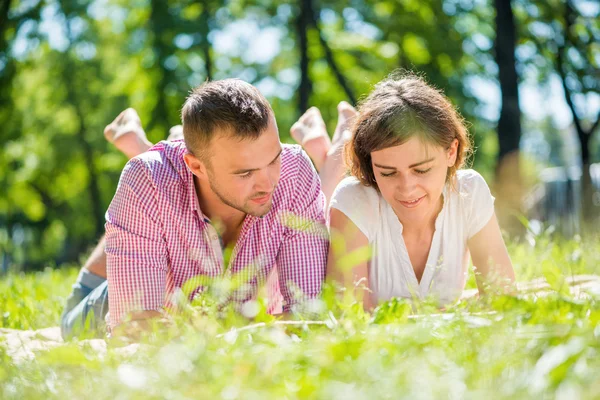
x: 243, y: 208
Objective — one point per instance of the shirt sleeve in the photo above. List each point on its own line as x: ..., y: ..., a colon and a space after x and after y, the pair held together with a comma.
x: 479, y: 202
x: 302, y: 258
x: 136, y: 255
x: 359, y: 203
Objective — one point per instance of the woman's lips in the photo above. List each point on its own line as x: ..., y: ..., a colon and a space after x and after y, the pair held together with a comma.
x: 412, y: 204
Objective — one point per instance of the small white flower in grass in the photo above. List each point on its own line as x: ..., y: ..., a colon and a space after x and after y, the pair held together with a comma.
x: 552, y: 359
x: 132, y: 376
x: 10, y: 389
x: 477, y: 322
x: 250, y: 309
x: 279, y: 337
x: 176, y: 358
x: 179, y: 298
x: 231, y: 336
x: 331, y: 321
x: 50, y: 384
x: 230, y: 393
x: 315, y: 306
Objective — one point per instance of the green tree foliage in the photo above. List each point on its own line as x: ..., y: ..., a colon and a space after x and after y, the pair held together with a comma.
x: 67, y: 68
x: 562, y: 38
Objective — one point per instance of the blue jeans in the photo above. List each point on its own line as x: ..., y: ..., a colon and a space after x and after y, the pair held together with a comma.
x: 86, y: 307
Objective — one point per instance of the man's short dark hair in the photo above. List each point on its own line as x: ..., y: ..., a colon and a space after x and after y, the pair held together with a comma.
x: 230, y: 105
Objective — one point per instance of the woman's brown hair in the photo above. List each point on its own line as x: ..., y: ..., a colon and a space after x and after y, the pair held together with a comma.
x: 400, y: 107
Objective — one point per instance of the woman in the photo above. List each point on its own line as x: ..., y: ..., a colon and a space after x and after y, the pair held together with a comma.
x: 409, y: 201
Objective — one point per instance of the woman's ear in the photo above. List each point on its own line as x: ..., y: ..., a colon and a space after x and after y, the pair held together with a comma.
x: 452, y: 153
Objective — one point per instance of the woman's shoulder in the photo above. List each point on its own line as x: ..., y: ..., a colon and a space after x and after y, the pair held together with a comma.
x: 469, y: 182
x: 359, y: 203
x: 477, y: 202
x: 352, y: 190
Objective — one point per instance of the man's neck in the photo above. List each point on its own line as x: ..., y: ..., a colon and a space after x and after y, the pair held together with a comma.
x: 227, y: 219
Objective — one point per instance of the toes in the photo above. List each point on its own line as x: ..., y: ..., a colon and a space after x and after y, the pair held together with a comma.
x: 297, y: 131
x: 309, y: 115
x: 345, y: 109
x: 175, y: 133
x: 109, y: 132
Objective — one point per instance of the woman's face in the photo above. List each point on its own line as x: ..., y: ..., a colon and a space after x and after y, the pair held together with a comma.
x: 411, y: 178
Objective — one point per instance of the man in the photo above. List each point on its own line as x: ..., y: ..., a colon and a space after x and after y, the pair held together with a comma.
x: 230, y: 185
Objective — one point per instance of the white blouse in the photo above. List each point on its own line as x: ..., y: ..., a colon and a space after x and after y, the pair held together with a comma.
x: 467, y: 209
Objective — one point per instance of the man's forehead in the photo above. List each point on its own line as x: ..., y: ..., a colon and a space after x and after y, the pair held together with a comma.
x: 232, y: 153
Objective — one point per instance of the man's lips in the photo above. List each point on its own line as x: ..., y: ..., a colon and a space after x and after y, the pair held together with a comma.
x: 261, y: 200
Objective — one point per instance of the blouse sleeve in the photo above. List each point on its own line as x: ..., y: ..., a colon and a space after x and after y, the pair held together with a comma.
x: 359, y: 203
x: 478, y: 200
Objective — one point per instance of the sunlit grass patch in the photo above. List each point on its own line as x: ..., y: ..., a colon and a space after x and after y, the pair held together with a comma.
x: 524, y: 346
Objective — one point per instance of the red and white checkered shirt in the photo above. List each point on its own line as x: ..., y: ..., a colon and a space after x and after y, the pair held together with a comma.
x: 157, y: 237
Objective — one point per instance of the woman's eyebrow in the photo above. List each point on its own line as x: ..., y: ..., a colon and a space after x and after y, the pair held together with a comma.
x: 411, y: 166
x: 421, y: 163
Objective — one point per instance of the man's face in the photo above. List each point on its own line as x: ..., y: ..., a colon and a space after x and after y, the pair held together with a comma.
x: 243, y: 174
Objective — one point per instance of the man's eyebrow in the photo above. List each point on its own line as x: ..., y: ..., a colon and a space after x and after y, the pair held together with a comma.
x: 244, y: 171
x: 410, y: 166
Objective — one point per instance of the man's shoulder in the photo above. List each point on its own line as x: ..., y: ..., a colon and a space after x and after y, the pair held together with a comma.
x: 298, y: 176
x: 295, y: 163
x: 163, y: 162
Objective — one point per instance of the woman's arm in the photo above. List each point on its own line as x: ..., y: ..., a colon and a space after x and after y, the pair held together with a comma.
x: 490, y: 257
x: 348, y: 260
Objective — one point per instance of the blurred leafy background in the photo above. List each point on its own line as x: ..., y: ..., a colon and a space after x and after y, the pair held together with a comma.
x: 525, y: 74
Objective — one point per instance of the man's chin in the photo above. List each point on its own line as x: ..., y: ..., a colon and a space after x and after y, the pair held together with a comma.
x: 260, y: 211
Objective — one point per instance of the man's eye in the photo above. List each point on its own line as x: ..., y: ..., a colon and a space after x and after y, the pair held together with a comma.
x: 245, y: 174
x: 275, y: 161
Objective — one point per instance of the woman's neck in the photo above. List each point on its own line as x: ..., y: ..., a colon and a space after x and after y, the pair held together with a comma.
x: 423, y: 230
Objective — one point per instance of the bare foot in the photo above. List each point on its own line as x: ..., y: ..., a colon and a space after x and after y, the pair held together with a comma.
x: 176, y: 132
x: 311, y: 133
x: 127, y: 134
x: 333, y: 171
x: 346, y: 117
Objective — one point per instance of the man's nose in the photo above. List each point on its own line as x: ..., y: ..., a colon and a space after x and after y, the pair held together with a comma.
x: 265, y: 181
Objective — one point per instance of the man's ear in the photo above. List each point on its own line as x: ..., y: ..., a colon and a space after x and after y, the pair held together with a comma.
x: 194, y: 164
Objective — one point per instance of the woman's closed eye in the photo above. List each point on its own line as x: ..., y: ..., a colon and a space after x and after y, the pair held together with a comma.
x: 422, y: 171
x: 418, y: 171
x: 388, y: 174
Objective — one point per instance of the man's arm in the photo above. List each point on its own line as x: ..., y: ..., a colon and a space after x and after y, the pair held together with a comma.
x: 302, y: 258
x: 135, y: 248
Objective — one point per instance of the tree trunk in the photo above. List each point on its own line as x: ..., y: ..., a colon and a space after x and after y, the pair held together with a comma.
x: 589, y: 207
x: 302, y: 26
x: 88, y: 154
x: 342, y: 81
x: 204, y: 30
x: 160, y: 115
x: 508, y: 177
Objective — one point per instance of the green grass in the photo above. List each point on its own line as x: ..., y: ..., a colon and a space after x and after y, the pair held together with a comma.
x: 499, y: 347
